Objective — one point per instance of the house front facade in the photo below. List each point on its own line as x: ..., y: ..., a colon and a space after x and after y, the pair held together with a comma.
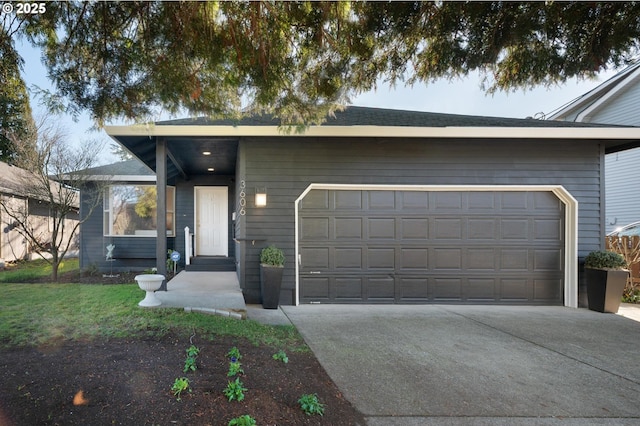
x: 374, y: 206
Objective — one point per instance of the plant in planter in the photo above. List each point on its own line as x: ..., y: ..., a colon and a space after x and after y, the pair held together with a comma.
x: 606, y: 277
x: 271, y: 271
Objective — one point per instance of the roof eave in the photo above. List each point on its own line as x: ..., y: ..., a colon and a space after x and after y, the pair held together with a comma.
x: 624, y: 133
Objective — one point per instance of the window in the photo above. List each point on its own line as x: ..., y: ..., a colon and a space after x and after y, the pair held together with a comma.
x: 131, y: 210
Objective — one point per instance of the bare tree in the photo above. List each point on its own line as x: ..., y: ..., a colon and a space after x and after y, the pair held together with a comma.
x: 50, y: 176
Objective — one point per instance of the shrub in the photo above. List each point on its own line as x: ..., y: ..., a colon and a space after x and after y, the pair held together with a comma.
x: 272, y: 255
x: 605, y: 260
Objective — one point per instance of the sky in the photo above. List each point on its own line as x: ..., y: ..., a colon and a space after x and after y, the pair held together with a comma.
x: 458, y: 96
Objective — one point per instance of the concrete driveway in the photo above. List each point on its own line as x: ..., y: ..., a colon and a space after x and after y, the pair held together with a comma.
x: 475, y: 365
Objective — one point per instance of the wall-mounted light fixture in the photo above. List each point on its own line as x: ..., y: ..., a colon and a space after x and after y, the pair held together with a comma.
x: 261, y: 197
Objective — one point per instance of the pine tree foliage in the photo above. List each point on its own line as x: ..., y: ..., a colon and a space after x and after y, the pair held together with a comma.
x: 302, y: 60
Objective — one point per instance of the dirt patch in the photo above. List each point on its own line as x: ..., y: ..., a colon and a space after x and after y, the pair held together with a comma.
x: 125, y: 382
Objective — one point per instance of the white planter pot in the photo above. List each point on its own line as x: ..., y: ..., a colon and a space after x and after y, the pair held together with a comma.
x: 149, y: 283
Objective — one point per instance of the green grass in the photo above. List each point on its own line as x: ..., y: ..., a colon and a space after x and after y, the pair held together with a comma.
x: 33, y: 314
x: 25, y: 271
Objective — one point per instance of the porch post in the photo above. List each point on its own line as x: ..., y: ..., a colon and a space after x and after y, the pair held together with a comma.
x: 161, y: 212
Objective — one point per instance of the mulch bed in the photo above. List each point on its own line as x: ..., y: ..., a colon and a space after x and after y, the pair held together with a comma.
x: 128, y: 382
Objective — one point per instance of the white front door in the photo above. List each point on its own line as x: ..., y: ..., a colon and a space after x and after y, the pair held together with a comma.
x: 211, y: 220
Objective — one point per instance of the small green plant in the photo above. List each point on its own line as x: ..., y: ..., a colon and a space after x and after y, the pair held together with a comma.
x: 311, y: 405
x: 234, y: 354
x: 245, y: 420
x: 235, y: 368
x: 631, y: 295
x: 192, y: 351
x: 605, y: 260
x: 190, y: 361
x: 272, y: 255
x: 189, y: 364
x: 180, y: 385
x: 235, y: 390
x: 281, y: 356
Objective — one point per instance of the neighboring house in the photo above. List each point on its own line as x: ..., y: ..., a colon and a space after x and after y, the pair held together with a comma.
x: 374, y: 206
x: 616, y: 102
x: 13, y: 246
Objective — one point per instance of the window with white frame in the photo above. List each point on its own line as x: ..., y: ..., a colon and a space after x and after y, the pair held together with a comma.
x: 131, y: 210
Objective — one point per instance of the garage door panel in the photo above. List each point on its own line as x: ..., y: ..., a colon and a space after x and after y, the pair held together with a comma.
x: 348, y: 200
x: 413, y: 289
x: 381, y: 258
x: 547, y: 260
x: 548, y: 229
x: 382, y: 228
x: 348, y: 228
x: 348, y: 258
x: 447, y: 289
x: 412, y: 259
x: 547, y: 290
x: 349, y: 289
x: 437, y: 247
x: 382, y: 200
x: 447, y: 229
x: 514, y: 260
x: 446, y: 258
x: 314, y: 229
x: 515, y: 289
x: 514, y: 229
x: 414, y: 229
x: 380, y: 288
x: 481, y: 290
x: 482, y: 229
x: 315, y: 288
x: 315, y: 258
x: 482, y: 259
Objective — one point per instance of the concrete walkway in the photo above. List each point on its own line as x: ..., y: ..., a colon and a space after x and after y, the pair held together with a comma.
x: 478, y: 365
x: 209, y: 290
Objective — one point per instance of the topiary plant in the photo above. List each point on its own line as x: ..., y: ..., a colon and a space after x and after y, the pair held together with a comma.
x: 272, y: 256
x: 605, y: 260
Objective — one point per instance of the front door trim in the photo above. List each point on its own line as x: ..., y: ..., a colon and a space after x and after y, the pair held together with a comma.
x: 571, y: 222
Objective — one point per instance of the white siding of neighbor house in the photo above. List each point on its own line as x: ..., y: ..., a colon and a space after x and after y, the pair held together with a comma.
x: 622, y: 109
x: 622, y: 169
x: 622, y: 180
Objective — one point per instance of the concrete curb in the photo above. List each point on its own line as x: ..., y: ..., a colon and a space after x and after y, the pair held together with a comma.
x: 219, y: 312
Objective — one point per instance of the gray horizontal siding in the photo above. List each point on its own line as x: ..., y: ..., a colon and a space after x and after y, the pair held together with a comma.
x: 287, y: 167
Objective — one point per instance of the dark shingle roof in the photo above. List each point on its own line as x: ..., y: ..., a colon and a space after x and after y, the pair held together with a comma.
x: 364, y: 116
x: 132, y: 167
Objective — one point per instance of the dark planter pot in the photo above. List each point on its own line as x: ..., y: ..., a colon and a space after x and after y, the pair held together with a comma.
x: 270, y: 283
x: 605, y: 288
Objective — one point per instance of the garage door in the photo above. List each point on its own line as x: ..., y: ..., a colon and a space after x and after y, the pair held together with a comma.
x: 387, y: 246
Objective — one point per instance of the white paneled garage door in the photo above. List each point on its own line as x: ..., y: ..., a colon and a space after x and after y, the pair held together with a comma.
x: 395, y: 246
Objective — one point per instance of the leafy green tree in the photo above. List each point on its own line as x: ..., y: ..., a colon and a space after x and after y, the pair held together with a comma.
x: 16, y: 122
x: 302, y: 60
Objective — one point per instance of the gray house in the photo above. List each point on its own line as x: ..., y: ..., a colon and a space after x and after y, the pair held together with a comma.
x: 614, y: 102
x: 374, y: 206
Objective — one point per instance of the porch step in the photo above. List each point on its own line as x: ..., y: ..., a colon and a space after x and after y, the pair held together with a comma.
x: 212, y: 263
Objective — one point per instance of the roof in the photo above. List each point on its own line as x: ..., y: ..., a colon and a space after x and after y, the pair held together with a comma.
x: 16, y: 181
x: 586, y: 105
x: 128, y: 170
x: 364, y: 116
x: 10, y: 179
x: 188, y: 139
